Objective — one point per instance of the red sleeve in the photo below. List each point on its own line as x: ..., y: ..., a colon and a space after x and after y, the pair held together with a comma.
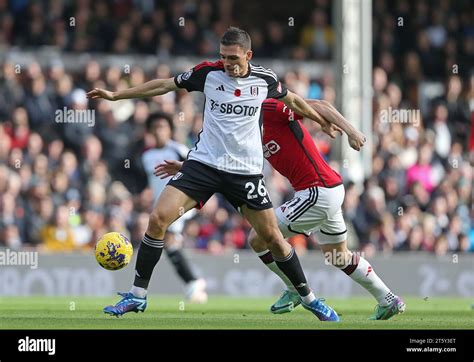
x: 286, y: 114
x: 277, y: 111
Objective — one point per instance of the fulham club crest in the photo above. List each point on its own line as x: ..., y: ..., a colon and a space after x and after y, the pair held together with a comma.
x: 254, y: 91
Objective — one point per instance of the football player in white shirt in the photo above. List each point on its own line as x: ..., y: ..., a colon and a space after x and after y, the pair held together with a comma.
x: 227, y: 158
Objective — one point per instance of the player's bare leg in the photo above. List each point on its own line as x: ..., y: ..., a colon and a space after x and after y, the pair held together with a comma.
x: 290, y: 298
x: 265, y: 224
x: 261, y: 248
x: 171, y: 204
x: 360, y: 270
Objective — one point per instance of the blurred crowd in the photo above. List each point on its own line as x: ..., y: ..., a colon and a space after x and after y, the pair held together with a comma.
x: 62, y: 185
x: 166, y: 28
x: 426, y: 36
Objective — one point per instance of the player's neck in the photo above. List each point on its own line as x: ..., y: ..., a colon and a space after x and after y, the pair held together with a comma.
x: 245, y: 71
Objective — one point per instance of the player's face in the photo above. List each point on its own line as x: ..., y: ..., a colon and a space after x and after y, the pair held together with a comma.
x: 161, y: 130
x: 235, y: 59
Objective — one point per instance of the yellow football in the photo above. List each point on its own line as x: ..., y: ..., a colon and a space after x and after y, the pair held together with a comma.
x: 113, y: 251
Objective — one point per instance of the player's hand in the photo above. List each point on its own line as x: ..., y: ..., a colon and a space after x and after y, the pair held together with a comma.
x: 167, y: 169
x: 331, y: 129
x: 356, y: 140
x: 101, y: 93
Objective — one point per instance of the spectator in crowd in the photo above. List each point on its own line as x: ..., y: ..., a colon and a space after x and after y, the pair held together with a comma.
x: 58, y: 234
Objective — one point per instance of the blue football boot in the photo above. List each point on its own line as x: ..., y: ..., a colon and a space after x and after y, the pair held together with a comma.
x: 128, y: 303
x: 321, y: 310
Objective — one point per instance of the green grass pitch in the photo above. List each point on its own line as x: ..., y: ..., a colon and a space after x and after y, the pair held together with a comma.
x: 170, y: 312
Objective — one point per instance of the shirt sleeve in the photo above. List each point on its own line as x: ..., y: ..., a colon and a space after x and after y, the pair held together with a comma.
x: 193, y: 79
x: 286, y: 114
x: 276, y: 89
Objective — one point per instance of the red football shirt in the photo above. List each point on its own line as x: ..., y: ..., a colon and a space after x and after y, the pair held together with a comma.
x: 289, y: 148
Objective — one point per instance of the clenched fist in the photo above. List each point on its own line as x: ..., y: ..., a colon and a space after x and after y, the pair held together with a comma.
x: 356, y: 140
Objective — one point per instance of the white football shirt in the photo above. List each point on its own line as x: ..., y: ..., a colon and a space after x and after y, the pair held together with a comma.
x: 231, y: 138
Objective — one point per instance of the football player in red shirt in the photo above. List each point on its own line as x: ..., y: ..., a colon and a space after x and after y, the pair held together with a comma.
x: 316, y: 205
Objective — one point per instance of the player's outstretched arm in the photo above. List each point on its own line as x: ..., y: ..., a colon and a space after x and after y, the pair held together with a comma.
x: 300, y: 106
x: 332, y: 115
x: 156, y: 87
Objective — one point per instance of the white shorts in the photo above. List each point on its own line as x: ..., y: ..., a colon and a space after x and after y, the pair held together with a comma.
x: 314, y: 210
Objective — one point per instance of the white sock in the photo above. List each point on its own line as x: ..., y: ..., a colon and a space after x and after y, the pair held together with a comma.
x: 138, y: 292
x: 307, y: 299
x: 365, y: 275
x: 274, y: 268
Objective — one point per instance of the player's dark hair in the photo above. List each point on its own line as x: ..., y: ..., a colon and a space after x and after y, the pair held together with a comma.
x: 157, y: 116
x: 236, y: 36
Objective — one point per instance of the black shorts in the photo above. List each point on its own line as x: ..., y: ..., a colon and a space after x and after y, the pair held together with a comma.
x: 200, y: 182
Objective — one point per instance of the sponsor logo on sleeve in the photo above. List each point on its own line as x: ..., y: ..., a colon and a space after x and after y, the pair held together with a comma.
x: 187, y: 75
x: 184, y: 76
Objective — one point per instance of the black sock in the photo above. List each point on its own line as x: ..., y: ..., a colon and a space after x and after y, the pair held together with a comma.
x: 148, y: 255
x: 180, y: 264
x: 267, y: 258
x: 353, y: 264
x: 291, y: 267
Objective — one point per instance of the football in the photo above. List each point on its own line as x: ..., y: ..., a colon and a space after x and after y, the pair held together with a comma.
x: 113, y: 251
